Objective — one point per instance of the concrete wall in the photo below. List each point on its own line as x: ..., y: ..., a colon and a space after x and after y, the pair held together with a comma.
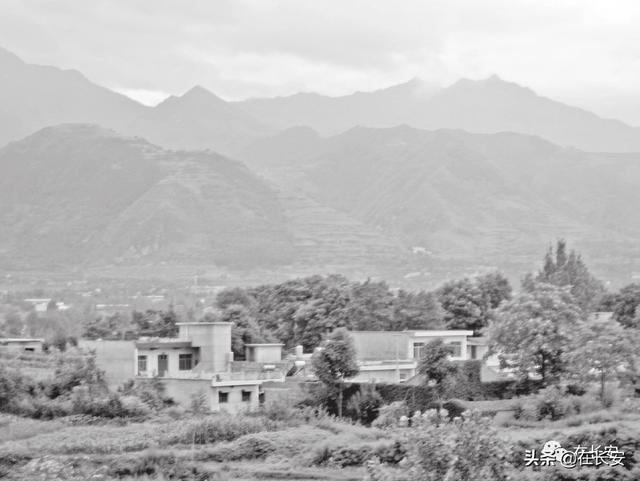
x: 264, y: 354
x: 235, y: 403
x: 446, y: 339
x: 182, y: 391
x: 116, y: 358
x: 380, y: 345
x: 382, y: 375
x: 173, y: 358
x: 22, y: 346
x: 214, y: 341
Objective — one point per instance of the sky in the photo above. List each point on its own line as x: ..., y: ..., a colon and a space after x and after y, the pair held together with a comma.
x: 582, y: 52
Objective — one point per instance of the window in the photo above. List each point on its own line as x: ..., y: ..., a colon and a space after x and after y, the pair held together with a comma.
x: 457, y: 348
x: 29, y: 349
x: 163, y: 364
x: 185, y: 362
x: 417, y: 349
x: 246, y: 396
x: 474, y: 352
x: 142, y: 364
x: 223, y: 397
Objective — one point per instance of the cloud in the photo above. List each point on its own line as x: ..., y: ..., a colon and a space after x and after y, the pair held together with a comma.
x: 240, y: 48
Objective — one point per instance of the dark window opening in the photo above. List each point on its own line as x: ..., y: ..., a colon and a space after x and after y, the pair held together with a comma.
x: 246, y: 396
x: 163, y: 364
x: 417, y: 350
x: 185, y: 362
x: 223, y: 397
x: 142, y: 364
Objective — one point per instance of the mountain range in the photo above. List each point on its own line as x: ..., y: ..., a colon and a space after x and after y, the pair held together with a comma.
x: 78, y: 194
x: 415, y: 182
x: 491, y: 105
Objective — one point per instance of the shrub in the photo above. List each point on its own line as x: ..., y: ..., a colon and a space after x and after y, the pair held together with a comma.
x: 390, y: 415
x: 212, y: 429
x: 161, y: 464
x: 364, y: 405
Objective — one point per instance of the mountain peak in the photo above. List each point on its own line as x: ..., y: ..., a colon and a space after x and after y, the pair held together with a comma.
x: 200, y: 93
x: 7, y: 57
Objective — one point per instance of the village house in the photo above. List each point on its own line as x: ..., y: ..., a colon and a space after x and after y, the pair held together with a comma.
x: 21, y: 344
x: 392, y: 356
x: 199, y: 362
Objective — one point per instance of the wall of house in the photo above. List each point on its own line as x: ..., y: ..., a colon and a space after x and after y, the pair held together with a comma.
x: 173, y: 358
x: 380, y: 345
x: 182, y: 391
x: 214, y: 341
x: 446, y: 339
x: 383, y: 375
x: 116, y: 358
x: 264, y: 353
x: 29, y: 346
x: 234, y: 403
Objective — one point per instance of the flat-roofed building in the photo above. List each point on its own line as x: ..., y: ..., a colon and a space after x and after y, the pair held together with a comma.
x: 392, y: 356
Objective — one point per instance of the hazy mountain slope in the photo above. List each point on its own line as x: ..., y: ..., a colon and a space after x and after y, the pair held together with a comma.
x: 484, y: 198
x: 331, y: 115
x: 485, y: 106
x: 198, y: 120
x: 34, y: 96
x: 76, y: 194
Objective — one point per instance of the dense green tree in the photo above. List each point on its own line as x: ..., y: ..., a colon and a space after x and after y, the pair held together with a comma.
x: 13, y: 324
x: 464, y: 305
x: 625, y: 309
x: 495, y: 289
x: 531, y: 332
x: 245, y: 329
x: 153, y: 323
x: 601, y: 349
x: 370, y: 306
x: 335, y: 362
x: 416, y: 310
x: 564, y: 269
x: 115, y: 326
x: 436, y: 365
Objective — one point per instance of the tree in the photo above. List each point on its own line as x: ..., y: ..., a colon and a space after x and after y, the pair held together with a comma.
x: 435, y: 364
x: 464, y: 305
x: 156, y: 323
x: 335, y: 362
x: 602, y: 349
x: 531, y: 332
x: 419, y: 310
x: 625, y: 308
x: 570, y: 270
x: 245, y: 330
x: 13, y: 324
x: 495, y: 289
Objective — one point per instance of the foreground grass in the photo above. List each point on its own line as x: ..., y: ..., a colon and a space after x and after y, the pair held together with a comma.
x: 219, y: 448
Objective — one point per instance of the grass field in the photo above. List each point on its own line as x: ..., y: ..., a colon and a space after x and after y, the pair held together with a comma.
x: 241, y: 450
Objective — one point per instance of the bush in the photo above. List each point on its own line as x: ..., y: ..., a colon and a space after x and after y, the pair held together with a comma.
x: 553, y: 403
x: 390, y: 415
x: 159, y: 464
x: 364, y: 405
x: 212, y: 429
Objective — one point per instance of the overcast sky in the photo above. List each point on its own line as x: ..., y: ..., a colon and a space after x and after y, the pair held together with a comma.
x: 582, y: 52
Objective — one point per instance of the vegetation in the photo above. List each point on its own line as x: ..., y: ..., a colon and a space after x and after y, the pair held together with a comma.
x: 531, y: 332
x: 334, y: 363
